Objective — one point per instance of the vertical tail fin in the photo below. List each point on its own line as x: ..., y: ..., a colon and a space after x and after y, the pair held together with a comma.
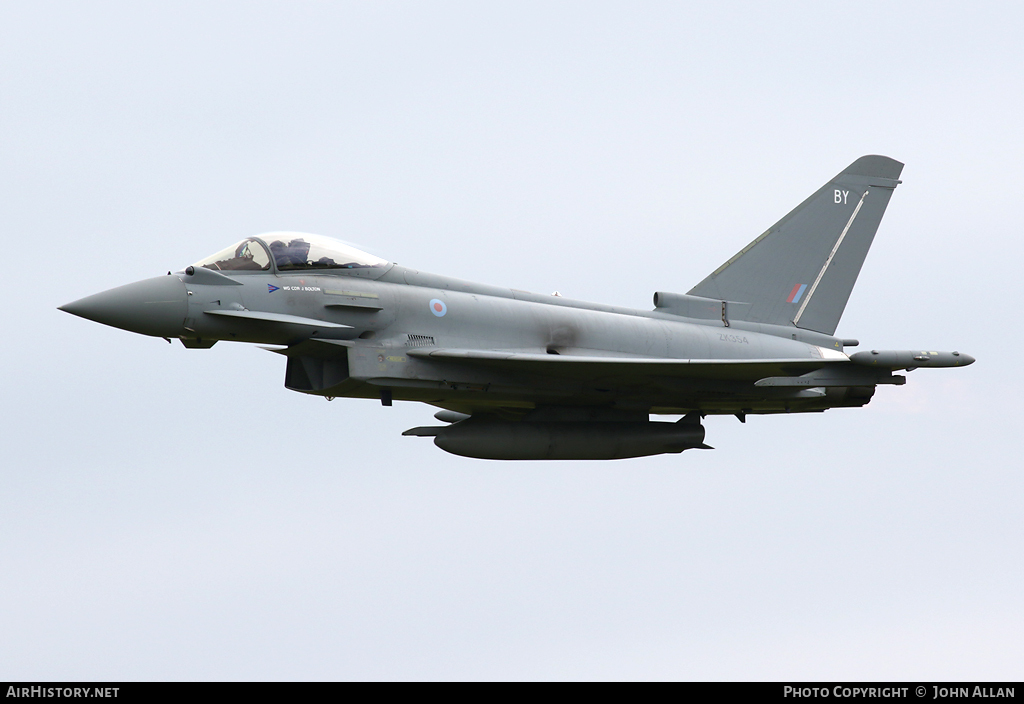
x: 802, y: 270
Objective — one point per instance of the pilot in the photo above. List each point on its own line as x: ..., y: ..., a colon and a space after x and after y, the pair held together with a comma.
x: 292, y: 255
x: 277, y: 249
x: 298, y: 250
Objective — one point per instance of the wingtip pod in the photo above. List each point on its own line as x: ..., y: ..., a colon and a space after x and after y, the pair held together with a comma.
x: 911, y: 359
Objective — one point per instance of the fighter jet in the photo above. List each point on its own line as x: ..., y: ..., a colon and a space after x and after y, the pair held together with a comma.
x: 526, y: 376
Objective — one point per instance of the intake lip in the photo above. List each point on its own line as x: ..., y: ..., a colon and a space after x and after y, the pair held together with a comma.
x: 156, y: 307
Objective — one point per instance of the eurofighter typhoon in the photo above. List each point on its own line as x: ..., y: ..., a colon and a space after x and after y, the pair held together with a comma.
x: 524, y: 376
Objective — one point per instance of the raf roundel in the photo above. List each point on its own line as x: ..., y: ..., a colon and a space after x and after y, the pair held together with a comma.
x: 438, y: 308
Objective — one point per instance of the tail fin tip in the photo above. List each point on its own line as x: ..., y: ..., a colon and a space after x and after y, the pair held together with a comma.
x: 875, y: 165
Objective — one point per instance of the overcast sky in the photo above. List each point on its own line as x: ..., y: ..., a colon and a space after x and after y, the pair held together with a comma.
x: 178, y: 514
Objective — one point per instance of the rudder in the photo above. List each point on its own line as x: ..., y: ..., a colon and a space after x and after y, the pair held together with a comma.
x: 802, y: 270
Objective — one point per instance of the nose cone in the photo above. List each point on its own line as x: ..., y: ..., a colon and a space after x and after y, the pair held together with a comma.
x: 156, y: 306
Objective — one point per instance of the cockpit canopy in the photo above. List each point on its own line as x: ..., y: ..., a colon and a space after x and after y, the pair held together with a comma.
x: 291, y: 251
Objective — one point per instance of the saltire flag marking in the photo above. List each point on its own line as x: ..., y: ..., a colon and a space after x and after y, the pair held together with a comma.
x: 271, y: 288
x: 797, y: 293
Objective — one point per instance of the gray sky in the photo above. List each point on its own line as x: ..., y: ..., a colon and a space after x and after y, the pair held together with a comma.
x: 177, y: 514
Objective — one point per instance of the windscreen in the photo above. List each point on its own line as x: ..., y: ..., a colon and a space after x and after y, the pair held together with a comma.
x: 247, y: 255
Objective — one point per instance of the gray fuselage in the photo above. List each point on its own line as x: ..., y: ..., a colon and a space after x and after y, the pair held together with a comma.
x: 391, y: 312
